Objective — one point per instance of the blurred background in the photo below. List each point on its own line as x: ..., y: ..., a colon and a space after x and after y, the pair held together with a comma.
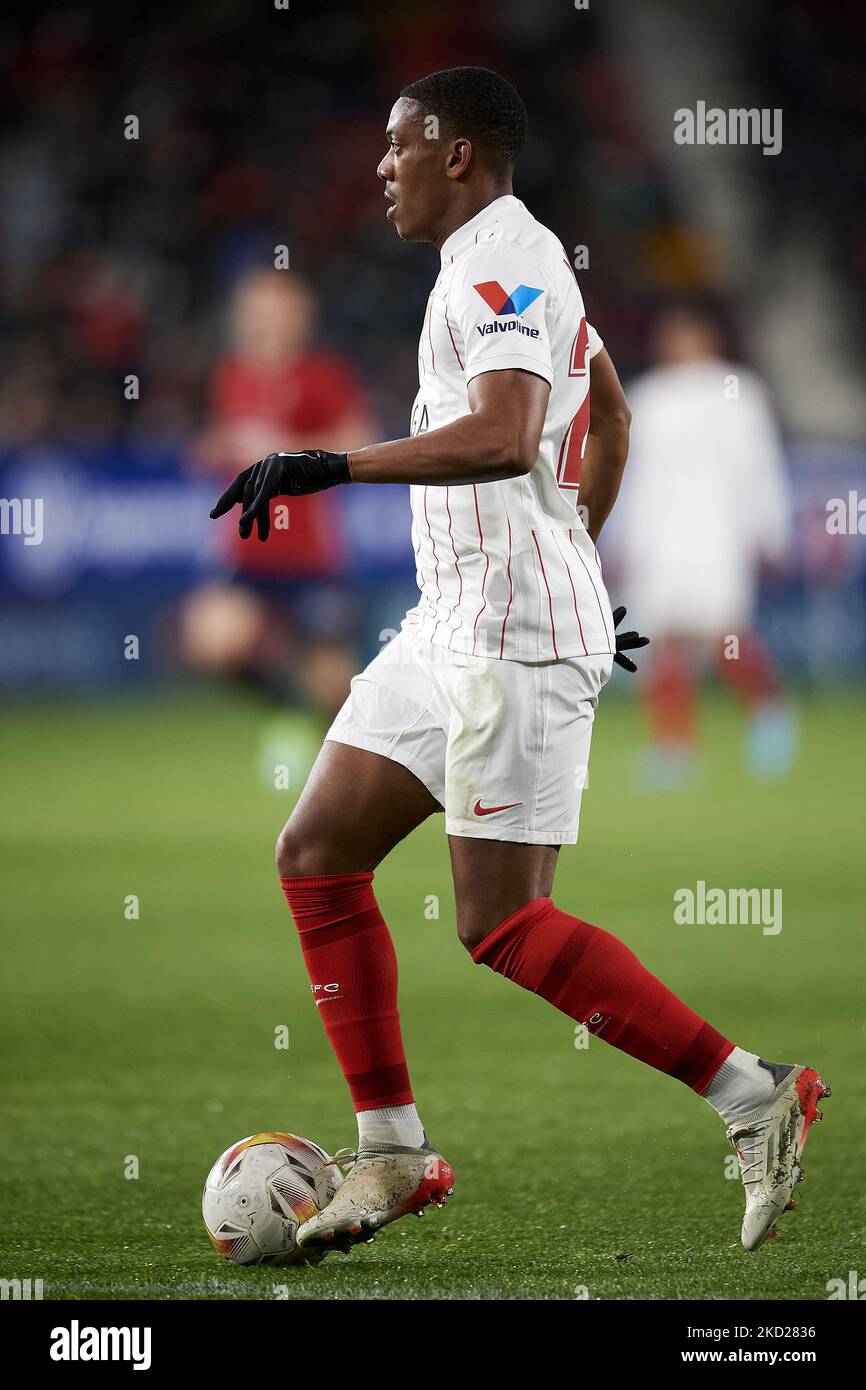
x: 154, y: 161
x: 150, y: 349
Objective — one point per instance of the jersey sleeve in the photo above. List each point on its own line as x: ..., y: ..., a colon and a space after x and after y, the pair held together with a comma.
x: 505, y: 308
x: 595, y: 342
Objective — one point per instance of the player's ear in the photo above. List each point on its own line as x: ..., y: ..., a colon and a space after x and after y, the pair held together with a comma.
x: 457, y: 160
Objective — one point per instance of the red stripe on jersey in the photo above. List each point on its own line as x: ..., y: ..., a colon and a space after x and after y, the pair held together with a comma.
x: 435, y: 559
x: 594, y: 590
x: 510, y: 587
x: 456, y: 566
x: 451, y: 335
x: 566, y: 440
x: 549, y: 599
x: 573, y: 594
x: 486, y: 568
x: 416, y: 546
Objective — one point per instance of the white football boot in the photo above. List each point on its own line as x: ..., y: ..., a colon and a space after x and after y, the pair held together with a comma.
x: 769, y: 1141
x: 384, y: 1182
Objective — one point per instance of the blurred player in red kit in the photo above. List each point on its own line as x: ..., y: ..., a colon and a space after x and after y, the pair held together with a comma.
x: 483, y: 704
x: 275, y: 614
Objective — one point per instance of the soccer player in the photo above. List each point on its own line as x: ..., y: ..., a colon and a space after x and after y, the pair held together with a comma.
x: 710, y: 470
x: 483, y: 704
x: 272, y: 616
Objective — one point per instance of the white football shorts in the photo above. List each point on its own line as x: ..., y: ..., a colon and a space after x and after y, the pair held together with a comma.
x: 503, y: 746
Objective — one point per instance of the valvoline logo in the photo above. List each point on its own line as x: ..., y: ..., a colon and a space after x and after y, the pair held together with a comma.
x: 501, y: 303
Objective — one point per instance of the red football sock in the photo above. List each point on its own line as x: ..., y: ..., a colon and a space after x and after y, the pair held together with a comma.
x: 597, y: 980
x: 350, y: 958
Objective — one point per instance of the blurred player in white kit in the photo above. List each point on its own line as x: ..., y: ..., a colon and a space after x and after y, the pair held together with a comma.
x: 706, y: 501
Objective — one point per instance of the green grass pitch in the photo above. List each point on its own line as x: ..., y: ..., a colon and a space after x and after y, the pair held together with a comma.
x: 576, y: 1169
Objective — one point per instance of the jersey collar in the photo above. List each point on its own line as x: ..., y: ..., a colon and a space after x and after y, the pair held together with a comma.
x: 488, y: 220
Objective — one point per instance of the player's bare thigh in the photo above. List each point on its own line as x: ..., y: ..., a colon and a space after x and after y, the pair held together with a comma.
x: 355, y: 807
x: 493, y: 878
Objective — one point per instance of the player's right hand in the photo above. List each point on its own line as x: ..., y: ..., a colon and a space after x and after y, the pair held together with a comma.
x: 279, y: 475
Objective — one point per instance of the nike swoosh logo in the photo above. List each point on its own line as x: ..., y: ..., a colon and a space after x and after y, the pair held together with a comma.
x: 491, y: 810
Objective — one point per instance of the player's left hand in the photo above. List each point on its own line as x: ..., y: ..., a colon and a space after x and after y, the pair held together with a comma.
x: 280, y: 475
x: 626, y: 642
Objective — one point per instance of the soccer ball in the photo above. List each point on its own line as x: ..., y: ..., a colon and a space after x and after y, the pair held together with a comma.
x: 258, y: 1193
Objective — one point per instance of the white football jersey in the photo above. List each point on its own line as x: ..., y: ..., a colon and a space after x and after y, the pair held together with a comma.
x: 507, y: 569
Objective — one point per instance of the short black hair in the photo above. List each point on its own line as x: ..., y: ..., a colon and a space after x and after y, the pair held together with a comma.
x: 479, y: 104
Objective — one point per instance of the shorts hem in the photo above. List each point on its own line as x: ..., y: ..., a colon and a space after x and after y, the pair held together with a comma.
x: 469, y: 830
x: 355, y: 739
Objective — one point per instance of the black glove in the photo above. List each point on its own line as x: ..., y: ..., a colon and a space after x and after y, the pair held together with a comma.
x: 280, y: 475
x: 626, y: 642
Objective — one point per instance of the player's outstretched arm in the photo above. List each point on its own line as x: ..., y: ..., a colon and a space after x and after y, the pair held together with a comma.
x: 607, y: 445
x: 499, y: 438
